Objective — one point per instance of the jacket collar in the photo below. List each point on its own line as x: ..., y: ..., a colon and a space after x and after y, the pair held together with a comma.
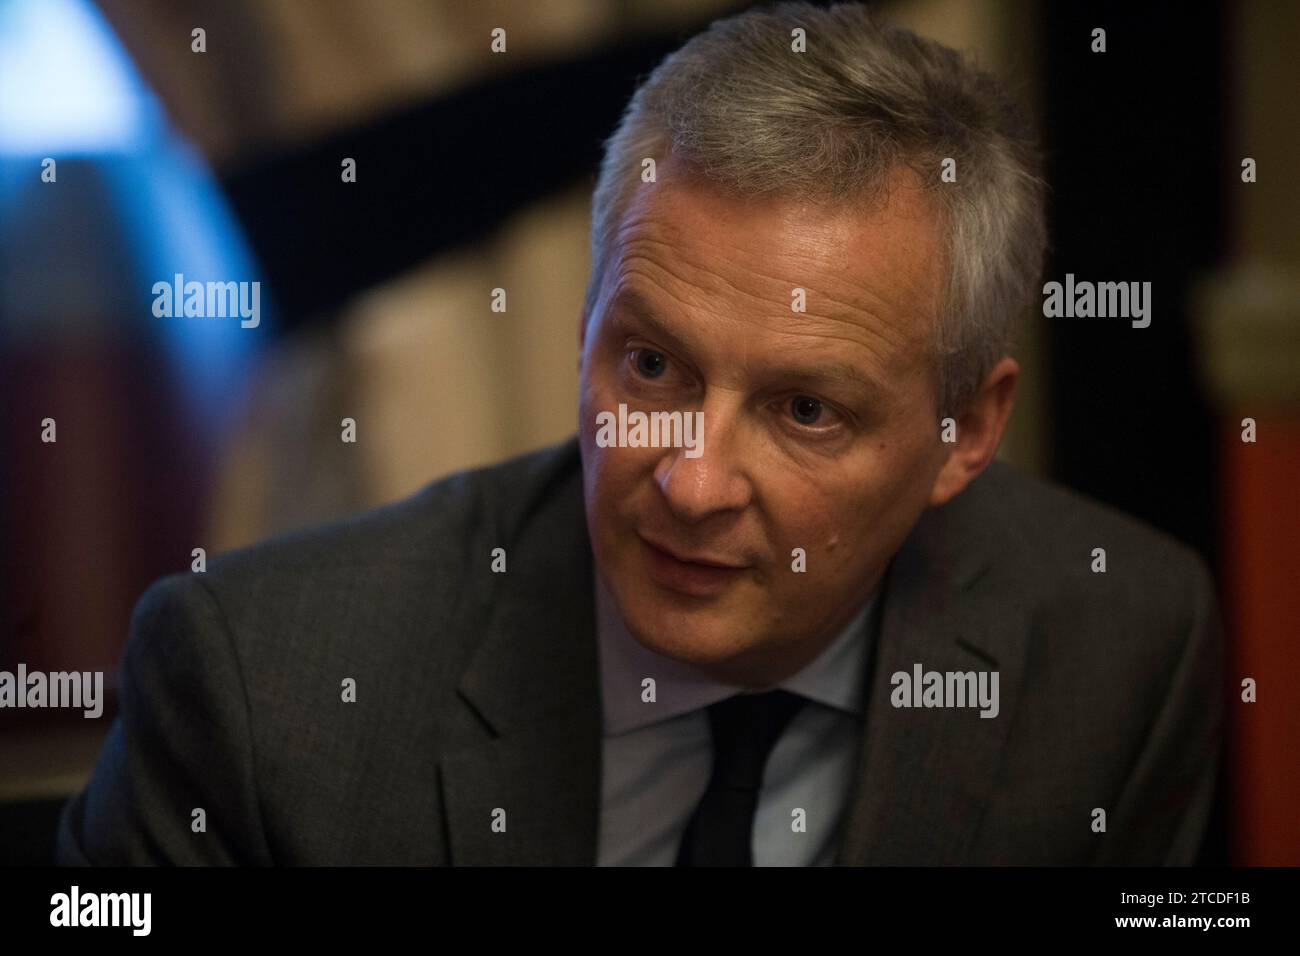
x: 533, y: 680
x: 925, y: 776
x: 835, y: 678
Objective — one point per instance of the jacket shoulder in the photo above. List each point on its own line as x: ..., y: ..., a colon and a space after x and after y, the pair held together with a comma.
x: 1080, y: 559
x: 436, y: 521
x: 394, y: 586
x: 1056, y: 522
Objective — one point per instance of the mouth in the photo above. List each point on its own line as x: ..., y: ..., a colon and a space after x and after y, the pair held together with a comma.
x: 696, y: 575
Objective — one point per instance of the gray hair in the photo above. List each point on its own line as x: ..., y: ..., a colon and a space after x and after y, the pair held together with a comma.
x: 745, y: 112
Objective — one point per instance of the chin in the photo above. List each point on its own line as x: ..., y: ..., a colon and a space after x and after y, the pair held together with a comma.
x: 696, y: 635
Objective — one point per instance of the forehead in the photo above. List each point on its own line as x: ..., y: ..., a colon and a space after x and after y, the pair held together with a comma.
x: 876, y: 266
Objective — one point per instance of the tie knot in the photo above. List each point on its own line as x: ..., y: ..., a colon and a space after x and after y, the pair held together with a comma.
x: 745, y: 729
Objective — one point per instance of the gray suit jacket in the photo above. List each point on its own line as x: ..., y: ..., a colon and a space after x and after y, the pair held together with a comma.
x: 477, y: 691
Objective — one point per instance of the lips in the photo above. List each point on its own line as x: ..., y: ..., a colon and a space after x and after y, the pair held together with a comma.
x: 685, y: 573
x: 686, y: 557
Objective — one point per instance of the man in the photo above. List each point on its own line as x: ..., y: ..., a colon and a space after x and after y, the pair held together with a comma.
x: 776, y: 604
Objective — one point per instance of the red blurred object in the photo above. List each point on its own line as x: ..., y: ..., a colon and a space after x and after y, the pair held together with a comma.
x: 1261, y: 580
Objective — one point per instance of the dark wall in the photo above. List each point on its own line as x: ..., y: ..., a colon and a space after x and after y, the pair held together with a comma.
x: 1138, y: 165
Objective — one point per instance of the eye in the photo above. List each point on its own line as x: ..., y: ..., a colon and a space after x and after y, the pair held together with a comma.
x: 806, y: 409
x: 648, y: 362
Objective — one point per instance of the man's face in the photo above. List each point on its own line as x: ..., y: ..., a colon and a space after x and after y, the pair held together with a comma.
x: 820, y: 427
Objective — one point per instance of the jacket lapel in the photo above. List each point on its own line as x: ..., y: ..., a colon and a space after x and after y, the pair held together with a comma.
x: 534, y: 682
x: 924, y: 776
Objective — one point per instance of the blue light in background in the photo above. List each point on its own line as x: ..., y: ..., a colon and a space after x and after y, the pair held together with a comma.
x: 65, y: 84
x: 144, y: 196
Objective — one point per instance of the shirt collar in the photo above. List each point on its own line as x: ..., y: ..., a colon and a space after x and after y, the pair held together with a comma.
x: 836, y: 677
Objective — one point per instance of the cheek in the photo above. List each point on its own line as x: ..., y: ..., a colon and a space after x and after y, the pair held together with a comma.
x: 600, y: 465
x: 613, y: 482
x: 613, y: 477
x: 843, y: 529
x: 810, y: 519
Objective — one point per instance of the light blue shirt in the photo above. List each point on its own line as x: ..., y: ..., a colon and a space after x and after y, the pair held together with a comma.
x: 657, y: 756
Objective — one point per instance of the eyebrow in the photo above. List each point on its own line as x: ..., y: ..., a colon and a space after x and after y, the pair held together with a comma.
x: 828, y: 373
x: 633, y: 301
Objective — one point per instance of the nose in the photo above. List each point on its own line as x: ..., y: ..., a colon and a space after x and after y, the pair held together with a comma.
x: 714, y: 482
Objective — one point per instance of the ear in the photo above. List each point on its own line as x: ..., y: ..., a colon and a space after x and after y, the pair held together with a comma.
x: 979, y: 431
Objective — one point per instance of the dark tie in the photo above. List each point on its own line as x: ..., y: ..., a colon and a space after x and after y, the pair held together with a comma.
x: 745, y: 729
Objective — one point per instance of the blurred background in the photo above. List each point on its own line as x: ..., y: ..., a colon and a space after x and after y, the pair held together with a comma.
x: 473, y: 172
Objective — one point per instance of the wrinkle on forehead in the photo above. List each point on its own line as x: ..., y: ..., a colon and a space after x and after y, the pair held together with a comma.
x: 878, y: 270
